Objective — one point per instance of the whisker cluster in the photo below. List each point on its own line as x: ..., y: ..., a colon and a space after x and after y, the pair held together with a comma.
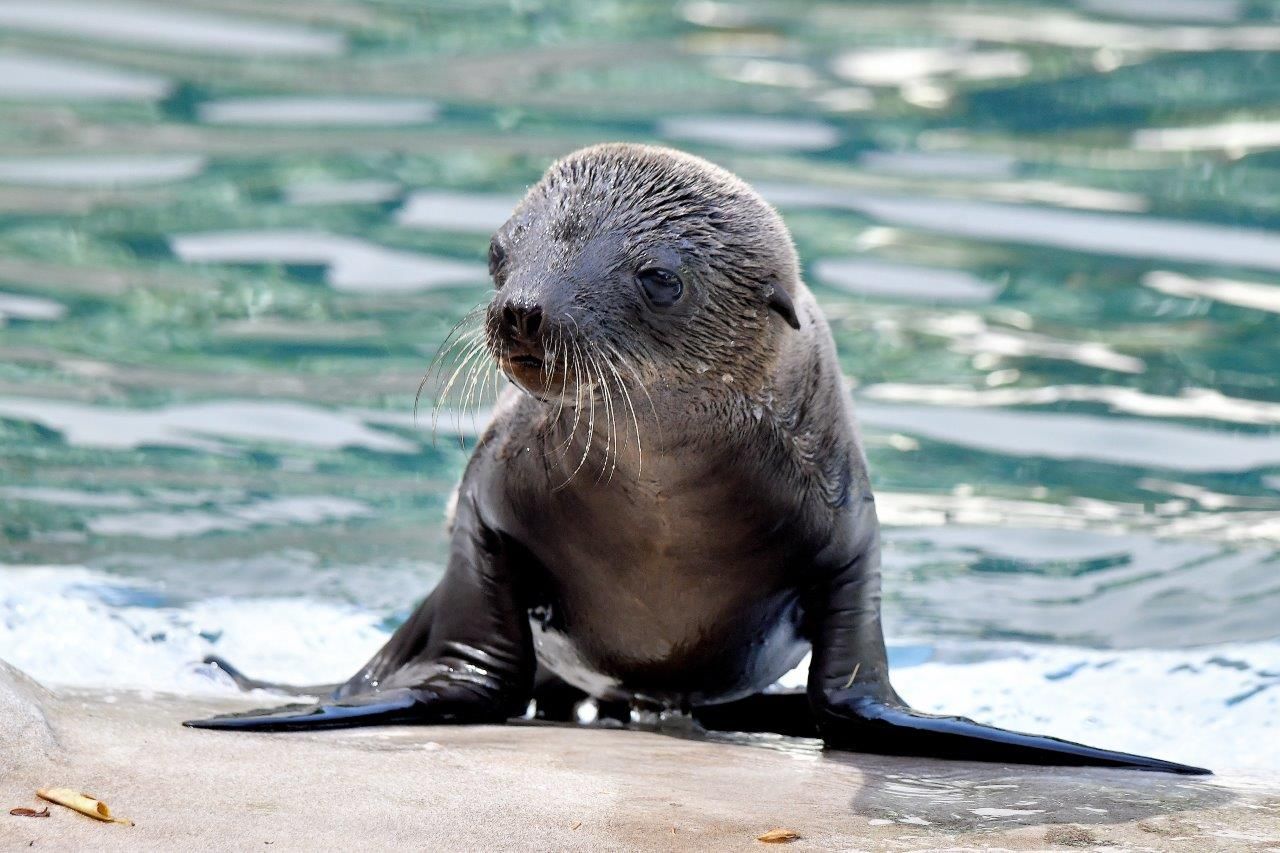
x: 602, y: 378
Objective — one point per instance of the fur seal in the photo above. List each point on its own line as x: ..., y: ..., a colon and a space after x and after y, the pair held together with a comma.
x: 671, y: 506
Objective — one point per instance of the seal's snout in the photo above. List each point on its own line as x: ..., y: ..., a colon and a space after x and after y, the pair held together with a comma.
x: 521, y: 323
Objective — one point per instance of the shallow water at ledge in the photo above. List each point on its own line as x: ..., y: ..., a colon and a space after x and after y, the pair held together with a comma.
x: 1046, y: 236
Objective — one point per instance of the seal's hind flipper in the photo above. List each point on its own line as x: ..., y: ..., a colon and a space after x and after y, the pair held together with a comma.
x: 866, y: 724
x: 783, y: 713
x: 246, y: 683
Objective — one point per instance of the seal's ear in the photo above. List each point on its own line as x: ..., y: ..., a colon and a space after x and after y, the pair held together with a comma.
x: 780, y: 301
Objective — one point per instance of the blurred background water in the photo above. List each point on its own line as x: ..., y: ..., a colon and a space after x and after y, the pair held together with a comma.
x: 233, y: 234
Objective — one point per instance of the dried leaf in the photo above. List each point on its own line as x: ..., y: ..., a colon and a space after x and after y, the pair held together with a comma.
x: 22, y: 811
x: 778, y: 836
x: 83, y: 803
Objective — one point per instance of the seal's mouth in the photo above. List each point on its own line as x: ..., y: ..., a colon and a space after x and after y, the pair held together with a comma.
x: 526, y: 362
x: 532, y: 373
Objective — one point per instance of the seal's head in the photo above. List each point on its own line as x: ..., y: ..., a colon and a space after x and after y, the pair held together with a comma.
x: 637, y: 263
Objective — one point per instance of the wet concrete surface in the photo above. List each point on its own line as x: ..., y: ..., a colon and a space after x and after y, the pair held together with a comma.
x: 555, y: 787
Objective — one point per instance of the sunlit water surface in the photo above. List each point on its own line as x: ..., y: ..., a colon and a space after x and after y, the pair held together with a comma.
x: 232, y: 235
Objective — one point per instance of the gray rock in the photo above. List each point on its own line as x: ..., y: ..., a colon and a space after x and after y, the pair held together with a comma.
x: 24, y: 729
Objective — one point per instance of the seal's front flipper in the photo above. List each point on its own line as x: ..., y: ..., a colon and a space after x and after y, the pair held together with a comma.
x: 464, y: 656
x: 866, y: 724
x: 394, y: 706
x: 856, y: 708
x: 442, y: 700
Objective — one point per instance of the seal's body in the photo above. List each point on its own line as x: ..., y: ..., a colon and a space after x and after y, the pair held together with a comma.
x: 670, y: 506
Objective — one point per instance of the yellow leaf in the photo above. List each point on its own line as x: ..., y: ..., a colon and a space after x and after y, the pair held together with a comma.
x: 778, y: 836
x: 83, y: 803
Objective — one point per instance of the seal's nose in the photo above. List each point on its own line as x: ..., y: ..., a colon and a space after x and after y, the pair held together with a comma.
x: 522, y: 322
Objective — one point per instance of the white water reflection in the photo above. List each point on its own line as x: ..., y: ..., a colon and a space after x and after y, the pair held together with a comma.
x: 1235, y: 138
x: 445, y: 210
x: 72, y: 497
x: 26, y: 77
x: 1068, y: 30
x: 1103, y: 233
x: 1079, y: 437
x: 901, y: 66
x: 98, y: 171
x: 318, y: 111
x: 1246, y: 294
x: 971, y: 334
x: 751, y: 132
x: 353, y: 264
x: 902, y: 281
x: 1208, y: 11
x: 166, y: 27
x: 1204, y: 403
x: 280, y: 511
x: 19, y: 307
x: 202, y: 426
x: 1168, y: 519
x: 341, y: 192
x: 948, y: 164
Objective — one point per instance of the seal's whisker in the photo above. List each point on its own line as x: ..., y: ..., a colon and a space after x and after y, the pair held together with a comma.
x: 626, y: 395
x: 577, y: 400
x: 606, y: 403
x: 560, y: 349
x: 445, y: 355
x: 452, y: 339
x: 479, y: 371
x: 614, y: 437
x: 591, y: 435
x: 466, y: 363
x: 472, y: 348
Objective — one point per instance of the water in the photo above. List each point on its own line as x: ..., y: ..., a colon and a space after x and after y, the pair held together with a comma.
x: 232, y: 235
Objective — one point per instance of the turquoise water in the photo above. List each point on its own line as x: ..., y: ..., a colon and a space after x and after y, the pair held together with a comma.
x: 232, y: 235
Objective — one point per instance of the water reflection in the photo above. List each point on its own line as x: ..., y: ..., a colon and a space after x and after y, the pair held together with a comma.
x: 317, y: 111
x: 1126, y: 236
x: 98, y: 171
x: 1061, y: 436
x: 29, y: 77
x: 751, y: 132
x: 903, y: 281
x: 202, y: 426
x: 166, y: 27
x: 456, y: 211
x: 353, y: 264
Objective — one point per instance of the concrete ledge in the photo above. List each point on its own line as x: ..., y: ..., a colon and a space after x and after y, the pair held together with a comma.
x: 543, y: 787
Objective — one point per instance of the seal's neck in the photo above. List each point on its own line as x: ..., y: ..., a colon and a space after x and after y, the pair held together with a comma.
x: 643, y: 432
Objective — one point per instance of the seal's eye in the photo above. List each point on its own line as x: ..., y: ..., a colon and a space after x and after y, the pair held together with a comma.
x: 662, y: 287
x: 497, y: 260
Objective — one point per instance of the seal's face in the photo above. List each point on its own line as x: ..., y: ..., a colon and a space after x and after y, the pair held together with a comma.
x: 627, y: 261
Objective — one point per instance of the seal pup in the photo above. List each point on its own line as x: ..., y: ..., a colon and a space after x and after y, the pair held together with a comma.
x: 671, y: 505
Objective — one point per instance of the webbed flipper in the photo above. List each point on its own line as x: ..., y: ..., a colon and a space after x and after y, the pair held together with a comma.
x: 464, y: 656
x: 856, y: 708
x: 866, y: 724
